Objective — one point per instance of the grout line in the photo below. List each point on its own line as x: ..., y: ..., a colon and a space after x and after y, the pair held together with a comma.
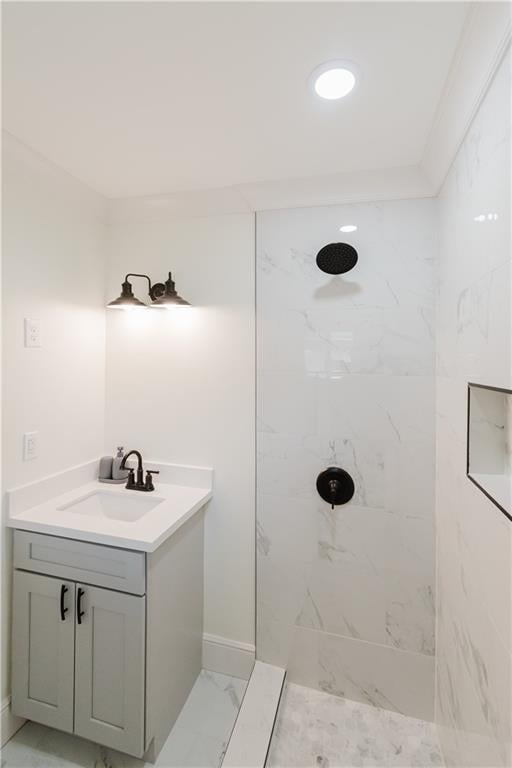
x: 366, y: 642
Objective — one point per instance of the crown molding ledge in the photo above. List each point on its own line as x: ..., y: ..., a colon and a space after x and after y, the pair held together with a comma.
x: 349, y: 187
x: 336, y: 189
x: 484, y: 42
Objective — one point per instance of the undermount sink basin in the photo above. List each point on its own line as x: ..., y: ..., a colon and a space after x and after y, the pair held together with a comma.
x: 112, y: 505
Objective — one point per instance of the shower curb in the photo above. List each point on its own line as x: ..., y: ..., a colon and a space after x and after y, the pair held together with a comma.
x: 254, y: 726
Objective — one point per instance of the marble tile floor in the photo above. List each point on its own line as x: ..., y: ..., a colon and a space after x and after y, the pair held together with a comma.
x: 317, y: 730
x: 198, y: 739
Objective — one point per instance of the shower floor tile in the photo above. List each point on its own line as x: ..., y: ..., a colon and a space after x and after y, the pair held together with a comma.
x: 317, y: 730
x: 198, y: 740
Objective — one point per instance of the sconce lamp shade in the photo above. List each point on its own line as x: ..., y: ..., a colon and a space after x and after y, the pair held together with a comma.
x: 170, y: 298
x: 126, y: 300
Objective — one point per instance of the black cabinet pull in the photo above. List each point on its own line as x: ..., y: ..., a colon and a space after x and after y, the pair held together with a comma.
x: 63, y: 610
x: 79, y: 612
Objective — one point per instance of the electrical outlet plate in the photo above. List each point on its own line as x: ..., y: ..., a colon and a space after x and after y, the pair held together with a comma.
x: 32, y: 332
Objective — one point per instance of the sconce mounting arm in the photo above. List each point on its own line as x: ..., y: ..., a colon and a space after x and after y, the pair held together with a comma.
x: 155, y: 291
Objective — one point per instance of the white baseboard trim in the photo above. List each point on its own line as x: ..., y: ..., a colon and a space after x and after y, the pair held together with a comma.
x: 229, y: 657
x: 10, y: 723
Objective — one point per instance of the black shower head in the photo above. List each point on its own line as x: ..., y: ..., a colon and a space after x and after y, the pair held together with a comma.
x: 336, y: 258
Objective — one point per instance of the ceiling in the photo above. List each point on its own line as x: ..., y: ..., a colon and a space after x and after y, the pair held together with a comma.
x: 141, y: 98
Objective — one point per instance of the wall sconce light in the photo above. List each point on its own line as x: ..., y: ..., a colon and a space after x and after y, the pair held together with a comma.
x: 161, y: 294
x: 170, y: 297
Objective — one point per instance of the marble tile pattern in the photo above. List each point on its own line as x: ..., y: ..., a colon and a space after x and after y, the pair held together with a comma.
x: 474, y: 539
x: 488, y: 431
x: 317, y: 730
x: 346, y: 377
x: 489, y: 443
x: 198, y: 740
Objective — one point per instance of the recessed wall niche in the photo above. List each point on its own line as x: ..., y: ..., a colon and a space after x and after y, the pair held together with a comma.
x: 489, y: 449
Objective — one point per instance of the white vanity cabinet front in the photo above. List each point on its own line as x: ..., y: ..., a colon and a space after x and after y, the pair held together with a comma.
x: 83, y: 646
x: 107, y: 642
x: 43, y: 649
x: 109, y: 668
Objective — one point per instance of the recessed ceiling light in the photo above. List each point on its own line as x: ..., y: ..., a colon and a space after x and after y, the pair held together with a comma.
x: 348, y: 228
x: 333, y: 80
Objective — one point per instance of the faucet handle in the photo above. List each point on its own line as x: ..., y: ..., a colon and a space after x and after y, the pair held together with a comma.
x: 131, y: 479
x: 149, y: 478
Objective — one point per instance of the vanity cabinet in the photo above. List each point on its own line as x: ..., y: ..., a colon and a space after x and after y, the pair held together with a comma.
x: 107, y: 642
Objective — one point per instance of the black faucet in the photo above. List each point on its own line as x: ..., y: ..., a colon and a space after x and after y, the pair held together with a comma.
x: 138, y: 484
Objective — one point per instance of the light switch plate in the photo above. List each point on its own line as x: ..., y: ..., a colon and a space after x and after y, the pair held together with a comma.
x: 30, y: 445
x: 32, y: 332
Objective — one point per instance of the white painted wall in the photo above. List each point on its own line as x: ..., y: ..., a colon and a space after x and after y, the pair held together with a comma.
x: 180, y: 385
x: 53, y: 270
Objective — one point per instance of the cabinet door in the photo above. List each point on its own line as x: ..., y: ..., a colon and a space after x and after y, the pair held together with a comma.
x: 110, y: 668
x: 43, y: 644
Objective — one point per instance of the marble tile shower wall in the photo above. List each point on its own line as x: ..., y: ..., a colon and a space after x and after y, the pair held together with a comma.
x: 345, y: 598
x: 474, y: 539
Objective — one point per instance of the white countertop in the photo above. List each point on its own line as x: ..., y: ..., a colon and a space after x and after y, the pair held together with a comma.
x: 175, y: 505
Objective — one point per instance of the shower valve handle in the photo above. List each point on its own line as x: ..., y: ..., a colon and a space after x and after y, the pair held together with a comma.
x: 335, y: 486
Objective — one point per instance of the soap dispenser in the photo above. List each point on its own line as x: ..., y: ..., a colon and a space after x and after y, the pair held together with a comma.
x: 117, y: 472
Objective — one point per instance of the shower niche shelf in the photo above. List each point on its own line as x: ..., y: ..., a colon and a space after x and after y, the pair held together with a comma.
x: 489, y: 443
